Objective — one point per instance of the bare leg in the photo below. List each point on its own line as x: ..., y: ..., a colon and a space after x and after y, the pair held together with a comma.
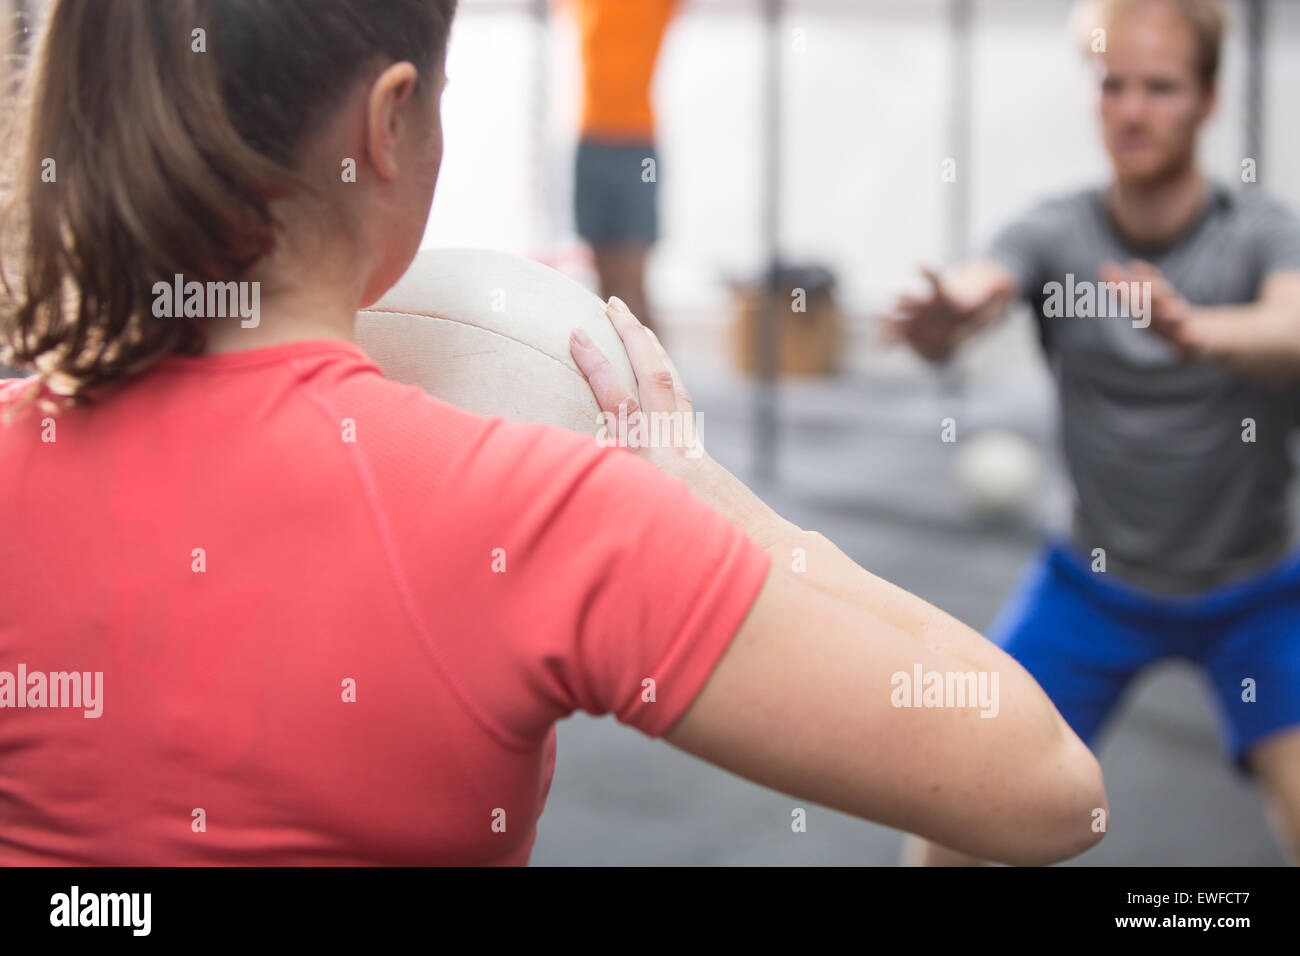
x: 621, y: 268
x: 1276, y: 762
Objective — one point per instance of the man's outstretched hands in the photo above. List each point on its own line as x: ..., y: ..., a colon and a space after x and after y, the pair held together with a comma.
x: 1169, y: 314
x: 971, y: 297
x: 930, y: 324
x: 1259, y: 340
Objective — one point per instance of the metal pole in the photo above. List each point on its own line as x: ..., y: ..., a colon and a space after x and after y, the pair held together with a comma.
x: 543, y: 229
x: 1256, y: 25
x: 952, y: 381
x: 22, y: 20
x: 766, y: 395
x: 21, y: 27
x: 960, y: 104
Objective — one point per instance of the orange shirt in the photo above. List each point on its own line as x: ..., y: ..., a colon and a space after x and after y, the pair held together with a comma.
x: 620, y: 41
x: 311, y: 616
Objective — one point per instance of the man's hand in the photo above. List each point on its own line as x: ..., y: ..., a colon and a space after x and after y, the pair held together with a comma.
x: 1167, y: 312
x: 1259, y: 340
x: 935, y: 324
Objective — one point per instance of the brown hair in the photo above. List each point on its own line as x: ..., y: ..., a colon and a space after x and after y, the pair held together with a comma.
x: 154, y: 136
x: 1205, y: 17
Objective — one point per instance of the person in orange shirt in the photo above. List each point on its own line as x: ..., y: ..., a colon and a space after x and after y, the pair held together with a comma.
x: 615, y: 201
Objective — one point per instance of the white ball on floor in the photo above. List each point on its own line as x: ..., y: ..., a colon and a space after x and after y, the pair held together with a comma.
x: 999, y: 473
x: 488, y: 331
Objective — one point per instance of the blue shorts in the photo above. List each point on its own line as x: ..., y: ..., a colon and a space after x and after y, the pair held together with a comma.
x: 613, y: 202
x: 1083, y: 636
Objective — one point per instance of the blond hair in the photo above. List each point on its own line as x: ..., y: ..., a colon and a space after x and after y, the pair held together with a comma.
x: 1205, y: 17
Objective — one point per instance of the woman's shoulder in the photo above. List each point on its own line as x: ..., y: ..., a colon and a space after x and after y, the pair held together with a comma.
x: 428, y: 439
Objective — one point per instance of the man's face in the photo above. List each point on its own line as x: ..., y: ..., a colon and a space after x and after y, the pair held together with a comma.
x: 1152, y: 98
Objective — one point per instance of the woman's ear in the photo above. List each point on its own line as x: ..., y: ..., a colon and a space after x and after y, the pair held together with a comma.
x: 385, y: 125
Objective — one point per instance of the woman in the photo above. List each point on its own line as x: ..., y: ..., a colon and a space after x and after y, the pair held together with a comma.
x: 327, y: 619
x: 615, y: 201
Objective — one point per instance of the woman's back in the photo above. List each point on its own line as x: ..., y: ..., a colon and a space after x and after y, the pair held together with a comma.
x: 335, y: 619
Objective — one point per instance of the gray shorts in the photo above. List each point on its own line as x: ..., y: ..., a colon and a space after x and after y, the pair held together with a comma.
x: 612, y: 201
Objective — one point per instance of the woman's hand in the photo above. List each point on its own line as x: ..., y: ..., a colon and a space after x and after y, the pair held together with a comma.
x: 659, y: 424
x: 668, y: 436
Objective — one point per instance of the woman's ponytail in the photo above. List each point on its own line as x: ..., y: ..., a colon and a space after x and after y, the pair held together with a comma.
x: 155, y: 135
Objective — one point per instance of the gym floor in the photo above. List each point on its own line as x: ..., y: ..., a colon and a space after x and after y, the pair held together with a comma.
x: 861, y: 462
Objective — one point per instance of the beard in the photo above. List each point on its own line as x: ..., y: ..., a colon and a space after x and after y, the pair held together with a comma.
x: 1153, y: 170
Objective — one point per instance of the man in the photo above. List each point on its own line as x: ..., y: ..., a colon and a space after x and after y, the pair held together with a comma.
x: 1176, y: 407
x: 617, y: 164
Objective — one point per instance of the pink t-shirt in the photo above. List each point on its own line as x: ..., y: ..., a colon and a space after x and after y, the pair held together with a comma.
x: 336, y: 619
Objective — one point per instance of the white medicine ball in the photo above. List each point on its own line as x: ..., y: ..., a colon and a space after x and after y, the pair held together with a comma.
x: 488, y: 331
x: 999, y: 473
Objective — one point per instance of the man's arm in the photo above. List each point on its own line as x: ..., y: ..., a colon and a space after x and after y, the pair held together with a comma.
x: 1258, y: 340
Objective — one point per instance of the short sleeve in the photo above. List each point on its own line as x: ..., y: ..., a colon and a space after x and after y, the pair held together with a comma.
x: 1276, y: 234
x: 1019, y: 246
x: 597, y: 582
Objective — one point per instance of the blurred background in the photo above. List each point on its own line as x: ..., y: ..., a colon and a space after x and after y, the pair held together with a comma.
x: 815, y: 132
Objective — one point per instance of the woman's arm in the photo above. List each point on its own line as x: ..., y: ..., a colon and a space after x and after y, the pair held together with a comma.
x: 813, y: 696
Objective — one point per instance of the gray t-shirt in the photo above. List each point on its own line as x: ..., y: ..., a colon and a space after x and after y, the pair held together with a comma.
x: 1164, y: 481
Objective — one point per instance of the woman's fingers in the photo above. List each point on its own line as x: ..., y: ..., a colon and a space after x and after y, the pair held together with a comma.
x: 610, y: 392
x: 683, y: 397
x: 654, y: 378
x: 661, y: 393
x: 685, y: 426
